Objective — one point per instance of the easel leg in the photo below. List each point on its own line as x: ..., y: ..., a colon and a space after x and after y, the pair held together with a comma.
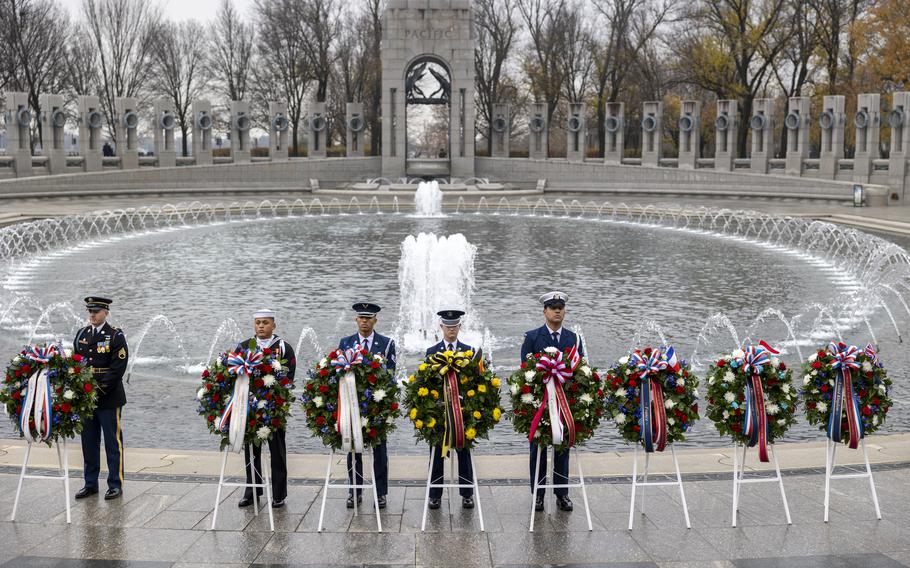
x: 224, y: 458
x: 829, y: 469
x: 551, y: 466
x: 267, y: 480
x: 535, y: 483
x: 426, y: 497
x: 254, y: 472
x: 878, y: 512
x: 325, y: 490
x: 28, y: 450
x: 477, y: 494
x: 682, y: 492
x: 735, y: 482
x: 452, y: 459
x: 645, y: 481
x: 780, y: 481
x: 64, y: 474
x: 584, y: 490
x: 375, y: 492
x: 634, y: 486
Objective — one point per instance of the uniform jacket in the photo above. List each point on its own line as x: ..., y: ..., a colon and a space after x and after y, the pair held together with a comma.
x: 539, y: 339
x: 285, y: 352
x: 441, y: 346
x: 381, y: 345
x: 108, y: 354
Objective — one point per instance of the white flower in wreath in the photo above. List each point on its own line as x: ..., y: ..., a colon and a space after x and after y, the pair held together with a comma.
x: 513, y: 388
x: 586, y: 371
x: 628, y: 372
x: 711, y: 380
x: 378, y: 395
x: 782, y: 421
x: 268, y: 380
x: 669, y: 403
x: 729, y: 377
x: 71, y: 371
x: 67, y: 352
x: 551, y: 350
x: 813, y: 357
x: 785, y: 387
x: 729, y: 396
x: 814, y: 373
x: 620, y: 393
x: 671, y: 421
x: 364, y: 422
x: 261, y: 404
x: 807, y: 379
x: 323, y: 363
x: 867, y: 366
x: 831, y: 382
x: 527, y: 398
x: 68, y: 394
x: 726, y: 415
x: 738, y: 354
x: 317, y: 400
x: 537, y: 433
x: 263, y: 433
x: 390, y: 420
x: 881, y: 388
x: 276, y: 364
x: 200, y: 394
x: 772, y: 409
x: 695, y: 393
x: 17, y: 359
x: 775, y: 362
x: 821, y: 407
x: 619, y: 418
x: 680, y: 382
x: 529, y: 375
x: 586, y: 398
x: 875, y: 420
x: 624, y: 359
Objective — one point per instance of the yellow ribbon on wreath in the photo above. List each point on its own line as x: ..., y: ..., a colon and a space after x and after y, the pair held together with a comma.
x: 448, y: 365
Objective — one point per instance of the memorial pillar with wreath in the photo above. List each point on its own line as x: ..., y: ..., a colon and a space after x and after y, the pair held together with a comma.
x: 278, y: 131
x: 868, y: 123
x: 53, y: 123
x: 900, y: 142
x: 241, y: 122
x: 761, y: 123
x: 725, y: 130
x: 832, y: 120
x: 689, y: 134
x: 164, y: 123
x: 576, y: 133
x: 651, y: 133
x: 538, y: 132
x: 500, y: 130
x: 614, y: 140
x: 18, y: 135
x: 355, y: 127
x: 91, y: 120
x: 797, y: 125
x: 318, y: 130
x: 202, y: 132
x: 126, y: 125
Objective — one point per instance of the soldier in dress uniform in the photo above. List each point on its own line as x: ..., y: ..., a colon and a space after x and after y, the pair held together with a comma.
x: 105, y: 350
x: 551, y: 334
x: 450, y: 324
x: 265, y: 338
x: 374, y: 343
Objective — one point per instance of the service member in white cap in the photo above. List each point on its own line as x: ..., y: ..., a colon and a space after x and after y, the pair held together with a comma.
x: 374, y: 343
x: 450, y: 324
x: 551, y: 334
x: 264, y: 327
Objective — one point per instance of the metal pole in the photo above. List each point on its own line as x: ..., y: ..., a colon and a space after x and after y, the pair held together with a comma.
x: 534, y: 484
x: 325, y: 490
x: 682, y: 493
x: 426, y: 497
x: 28, y: 450
x: 220, y: 485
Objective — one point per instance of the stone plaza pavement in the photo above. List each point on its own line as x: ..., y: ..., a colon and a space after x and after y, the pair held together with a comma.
x: 164, y: 517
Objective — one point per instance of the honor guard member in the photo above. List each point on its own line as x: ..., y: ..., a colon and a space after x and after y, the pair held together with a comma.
x: 265, y: 338
x: 105, y: 351
x: 450, y: 324
x: 551, y: 334
x: 376, y: 344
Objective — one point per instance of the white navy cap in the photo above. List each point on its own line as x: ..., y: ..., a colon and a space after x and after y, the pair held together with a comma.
x: 554, y: 299
x: 264, y: 313
x: 450, y: 317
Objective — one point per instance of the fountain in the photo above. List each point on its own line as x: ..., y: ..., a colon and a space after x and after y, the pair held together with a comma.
x: 428, y: 199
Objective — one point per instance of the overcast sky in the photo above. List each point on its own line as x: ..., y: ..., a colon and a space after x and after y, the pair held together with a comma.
x: 177, y: 9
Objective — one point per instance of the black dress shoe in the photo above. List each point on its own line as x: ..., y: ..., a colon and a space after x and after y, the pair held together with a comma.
x: 538, y: 504
x: 564, y: 503
x: 382, y: 501
x: 86, y: 492
x: 351, y: 501
x: 245, y: 502
x: 434, y: 503
x: 467, y: 502
x: 277, y: 503
x: 114, y: 493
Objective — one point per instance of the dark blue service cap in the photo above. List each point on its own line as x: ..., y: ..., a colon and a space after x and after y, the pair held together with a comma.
x: 366, y: 309
x: 450, y: 317
x: 98, y: 303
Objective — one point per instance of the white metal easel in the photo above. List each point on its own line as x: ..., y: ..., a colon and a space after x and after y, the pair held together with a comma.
x: 739, y: 467
x: 63, y: 464
x: 350, y: 486
x: 829, y: 475
x: 645, y: 483
x: 449, y: 486
x: 266, y: 484
x: 551, y: 485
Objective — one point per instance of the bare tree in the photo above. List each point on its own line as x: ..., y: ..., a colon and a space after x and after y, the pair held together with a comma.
x: 496, y: 23
x: 180, y: 71
x: 372, y: 64
x: 81, y: 63
x: 123, y: 32
x: 231, y: 52
x: 577, y: 56
x: 318, y: 22
x: 545, y: 22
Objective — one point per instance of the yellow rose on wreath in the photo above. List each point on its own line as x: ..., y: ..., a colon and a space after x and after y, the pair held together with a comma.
x: 481, y: 388
x: 423, y: 391
x: 468, y: 353
x: 431, y: 422
x: 470, y: 433
x: 464, y: 380
x: 412, y: 378
x: 497, y: 413
x: 422, y: 367
x: 495, y: 382
x: 413, y: 413
x: 471, y: 392
x: 418, y: 424
x: 435, y: 394
x: 477, y: 414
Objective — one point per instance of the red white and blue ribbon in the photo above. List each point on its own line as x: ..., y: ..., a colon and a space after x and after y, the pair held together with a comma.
x: 871, y: 353
x: 37, y: 406
x: 555, y: 373
x: 845, y: 399
x: 755, y: 421
x: 41, y: 355
x: 243, y: 362
x: 348, y: 422
x: 234, y: 418
x: 653, y: 431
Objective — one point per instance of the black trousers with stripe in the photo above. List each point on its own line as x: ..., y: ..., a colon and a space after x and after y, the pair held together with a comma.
x: 104, y: 423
